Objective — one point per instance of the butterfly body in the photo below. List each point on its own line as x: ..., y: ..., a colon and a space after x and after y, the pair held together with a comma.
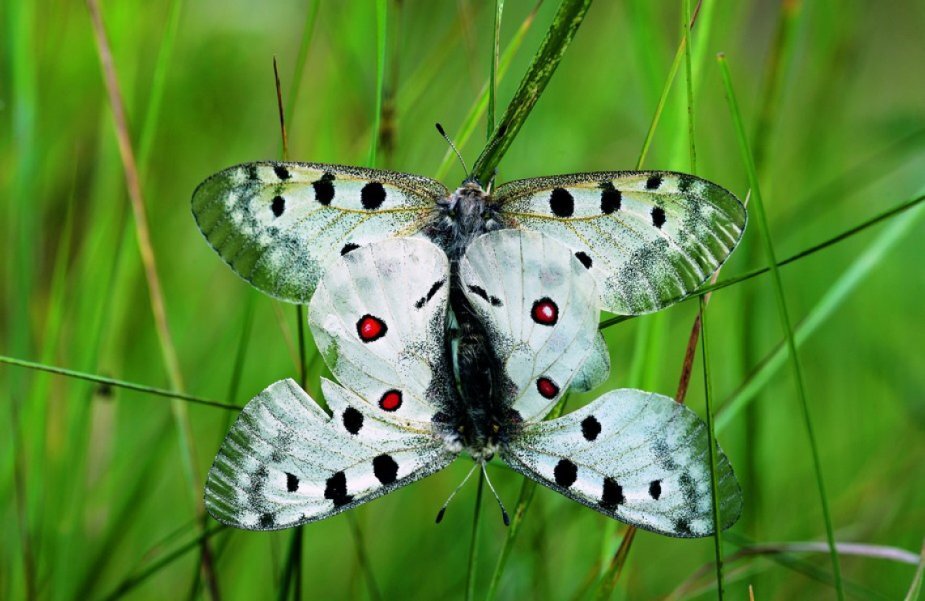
x: 463, y: 216
x: 477, y: 421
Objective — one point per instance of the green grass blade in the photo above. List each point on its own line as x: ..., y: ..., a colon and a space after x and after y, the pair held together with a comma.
x: 308, y: 30
x: 71, y: 373
x: 758, y: 211
x: 686, y: 29
x: 493, y: 79
x: 480, y: 106
x: 382, y: 14
x: 158, y: 84
x: 711, y: 440
x: 840, y: 291
x: 134, y: 581
x: 680, y: 54
x: 566, y: 22
x: 915, y: 589
x: 472, y: 565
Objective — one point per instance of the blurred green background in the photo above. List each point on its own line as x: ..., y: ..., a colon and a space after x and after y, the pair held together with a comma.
x: 96, y: 480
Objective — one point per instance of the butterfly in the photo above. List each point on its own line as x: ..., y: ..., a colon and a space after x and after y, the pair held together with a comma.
x: 648, y: 238
x: 427, y: 371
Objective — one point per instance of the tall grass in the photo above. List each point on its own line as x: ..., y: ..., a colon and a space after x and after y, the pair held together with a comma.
x: 97, y: 498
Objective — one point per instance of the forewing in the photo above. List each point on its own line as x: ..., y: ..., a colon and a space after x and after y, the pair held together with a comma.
x: 285, y: 462
x: 649, y: 238
x: 378, y: 318
x: 635, y: 456
x: 539, y: 307
x: 278, y: 225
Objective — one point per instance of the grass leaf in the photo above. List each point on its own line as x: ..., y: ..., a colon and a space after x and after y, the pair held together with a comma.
x: 760, y: 217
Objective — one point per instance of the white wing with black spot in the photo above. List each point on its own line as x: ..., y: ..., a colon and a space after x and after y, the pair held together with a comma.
x: 279, y: 225
x: 649, y: 238
x: 378, y: 318
x: 635, y: 456
x: 285, y: 462
x: 539, y: 307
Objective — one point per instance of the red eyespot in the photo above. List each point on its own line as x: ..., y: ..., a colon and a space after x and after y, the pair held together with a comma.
x: 547, y: 388
x: 371, y: 328
x: 391, y: 400
x: 545, y: 312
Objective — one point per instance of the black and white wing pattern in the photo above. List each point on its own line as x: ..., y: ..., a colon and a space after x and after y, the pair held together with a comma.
x: 378, y: 318
x: 285, y: 462
x: 649, y: 238
x: 279, y: 225
x: 635, y: 456
x: 539, y: 308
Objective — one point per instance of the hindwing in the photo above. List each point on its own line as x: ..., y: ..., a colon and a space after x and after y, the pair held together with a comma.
x: 635, y: 456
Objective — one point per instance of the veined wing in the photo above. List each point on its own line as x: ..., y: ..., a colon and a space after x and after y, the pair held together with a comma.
x: 378, y: 318
x: 635, y: 456
x: 285, y: 462
x: 539, y: 307
x: 649, y: 238
x: 278, y: 225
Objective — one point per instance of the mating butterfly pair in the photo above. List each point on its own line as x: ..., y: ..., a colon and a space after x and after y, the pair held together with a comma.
x: 416, y: 389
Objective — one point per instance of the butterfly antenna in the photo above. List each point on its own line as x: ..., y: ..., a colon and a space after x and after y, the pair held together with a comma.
x: 453, y: 146
x: 504, y: 515
x: 453, y: 494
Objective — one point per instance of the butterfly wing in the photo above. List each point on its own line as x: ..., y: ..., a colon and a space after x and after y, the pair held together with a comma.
x: 285, y: 462
x: 595, y: 369
x: 649, y: 238
x: 378, y: 318
x: 539, y: 308
x: 278, y: 225
x: 635, y: 456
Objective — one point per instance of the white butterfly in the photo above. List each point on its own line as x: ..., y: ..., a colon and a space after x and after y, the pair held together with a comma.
x: 416, y: 391
x: 649, y: 238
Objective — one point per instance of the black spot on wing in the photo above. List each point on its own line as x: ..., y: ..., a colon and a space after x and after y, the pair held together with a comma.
x: 611, y: 198
x: 352, y: 420
x: 654, y: 182
x: 655, y: 489
x: 348, y: 247
x: 267, y: 520
x: 324, y: 189
x: 612, y: 494
x: 372, y: 196
x: 278, y: 205
x: 292, y: 482
x: 281, y: 172
x: 335, y: 489
x: 385, y: 469
x: 584, y: 258
x: 685, y: 182
x: 682, y: 526
x: 658, y: 217
x: 561, y: 202
x: 590, y: 427
x: 565, y: 473
x: 430, y: 294
x: 480, y: 292
x: 251, y: 171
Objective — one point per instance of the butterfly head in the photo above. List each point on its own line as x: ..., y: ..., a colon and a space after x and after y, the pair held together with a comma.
x: 463, y: 216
